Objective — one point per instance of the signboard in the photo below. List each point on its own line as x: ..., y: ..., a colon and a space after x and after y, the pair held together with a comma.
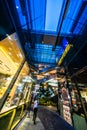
x: 66, y: 47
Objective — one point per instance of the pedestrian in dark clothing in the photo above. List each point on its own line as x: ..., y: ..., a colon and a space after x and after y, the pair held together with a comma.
x: 35, y: 109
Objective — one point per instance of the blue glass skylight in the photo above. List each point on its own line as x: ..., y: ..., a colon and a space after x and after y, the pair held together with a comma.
x: 70, y: 19
x: 81, y: 23
x: 53, y: 10
x: 44, y: 16
x: 20, y: 14
x: 43, y: 53
x: 37, y: 8
x: 34, y: 20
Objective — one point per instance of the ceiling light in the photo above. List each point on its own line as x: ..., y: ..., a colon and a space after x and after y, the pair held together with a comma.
x: 16, y: 63
x: 53, y: 84
x: 20, y: 55
x: 10, y: 48
x: 8, y: 37
x: 46, y: 74
x: 57, y: 67
x: 9, y: 53
x: 17, y: 7
x: 9, y: 78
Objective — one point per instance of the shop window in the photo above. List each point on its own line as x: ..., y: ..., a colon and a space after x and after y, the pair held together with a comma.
x: 83, y: 91
x: 76, y: 102
x: 11, y: 56
x: 20, y: 90
x: 66, y: 105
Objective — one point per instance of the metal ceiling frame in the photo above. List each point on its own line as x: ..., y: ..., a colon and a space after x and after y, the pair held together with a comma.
x: 64, y: 14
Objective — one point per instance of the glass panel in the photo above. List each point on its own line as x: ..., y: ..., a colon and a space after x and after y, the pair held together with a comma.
x: 53, y: 11
x: 45, y: 16
x: 20, y: 89
x: 22, y: 17
x: 17, y: 115
x: 11, y: 57
x: 37, y: 14
x: 43, y: 53
x: 74, y: 18
x: 83, y: 91
x: 4, y: 121
x: 76, y: 102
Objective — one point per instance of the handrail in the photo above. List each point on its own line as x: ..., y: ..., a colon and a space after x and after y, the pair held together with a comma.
x: 14, y: 112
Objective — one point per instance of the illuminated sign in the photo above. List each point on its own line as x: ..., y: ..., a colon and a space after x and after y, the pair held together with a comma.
x: 64, y: 43
x: 64, y: 54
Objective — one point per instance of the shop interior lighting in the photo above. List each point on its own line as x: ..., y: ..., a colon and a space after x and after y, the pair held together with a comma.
x: 1, y: 49
x: 53, y: 84
x: 8, y: 37
x: 10, y: 48
x: 64, y: 54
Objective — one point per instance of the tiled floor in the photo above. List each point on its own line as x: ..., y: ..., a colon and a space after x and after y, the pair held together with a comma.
x: 46, y: 120
x: 52, y: 121
x: 27, y: 124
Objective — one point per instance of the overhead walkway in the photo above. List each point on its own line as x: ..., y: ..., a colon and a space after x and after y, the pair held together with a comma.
x: 46, y: 120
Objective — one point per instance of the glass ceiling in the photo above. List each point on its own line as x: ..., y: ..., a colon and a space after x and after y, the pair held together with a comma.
x: 42, y: 53
x: 75, y: 18
x: 53, y: 11
x: 47, y: 17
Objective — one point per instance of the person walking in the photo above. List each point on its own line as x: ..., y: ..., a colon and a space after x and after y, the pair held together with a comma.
x: 35, y: 109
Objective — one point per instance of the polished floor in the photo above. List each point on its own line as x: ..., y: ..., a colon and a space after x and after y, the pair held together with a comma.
x: 46, y: 120
x: 27, y: 123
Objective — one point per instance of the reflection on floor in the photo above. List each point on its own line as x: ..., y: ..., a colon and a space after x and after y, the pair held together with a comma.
x: 27, y: 124
x: 46, y: 120
x: 52, y: 121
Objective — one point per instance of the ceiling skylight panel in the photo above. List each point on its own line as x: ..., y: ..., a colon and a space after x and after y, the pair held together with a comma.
x: 83, y: 18
x: 81, y: 23
x: 21, y: 16
x: 53, y: 10
x: 71, y: 15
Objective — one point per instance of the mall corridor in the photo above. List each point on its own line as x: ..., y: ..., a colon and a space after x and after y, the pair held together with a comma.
x: 47, y: 120
x: 43, y: 55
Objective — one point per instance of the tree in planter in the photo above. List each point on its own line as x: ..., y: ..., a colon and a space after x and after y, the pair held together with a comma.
x: 41, y: 91
x: 49, y: 91
x: 45, y: 93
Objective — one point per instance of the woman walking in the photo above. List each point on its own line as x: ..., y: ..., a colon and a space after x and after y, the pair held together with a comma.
x: 35, y: 109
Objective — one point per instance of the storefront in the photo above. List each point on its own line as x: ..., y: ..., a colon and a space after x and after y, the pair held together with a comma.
x: 72, y: 100
x: 79, y: 106
x: 15, y: 82
x: 12, y: 60
x: 64, y: 102
x: 21, y: 89
x: 11, y: 57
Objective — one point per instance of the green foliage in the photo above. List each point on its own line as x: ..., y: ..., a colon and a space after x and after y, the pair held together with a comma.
x: 46, y: 102
x: 45, y: 92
